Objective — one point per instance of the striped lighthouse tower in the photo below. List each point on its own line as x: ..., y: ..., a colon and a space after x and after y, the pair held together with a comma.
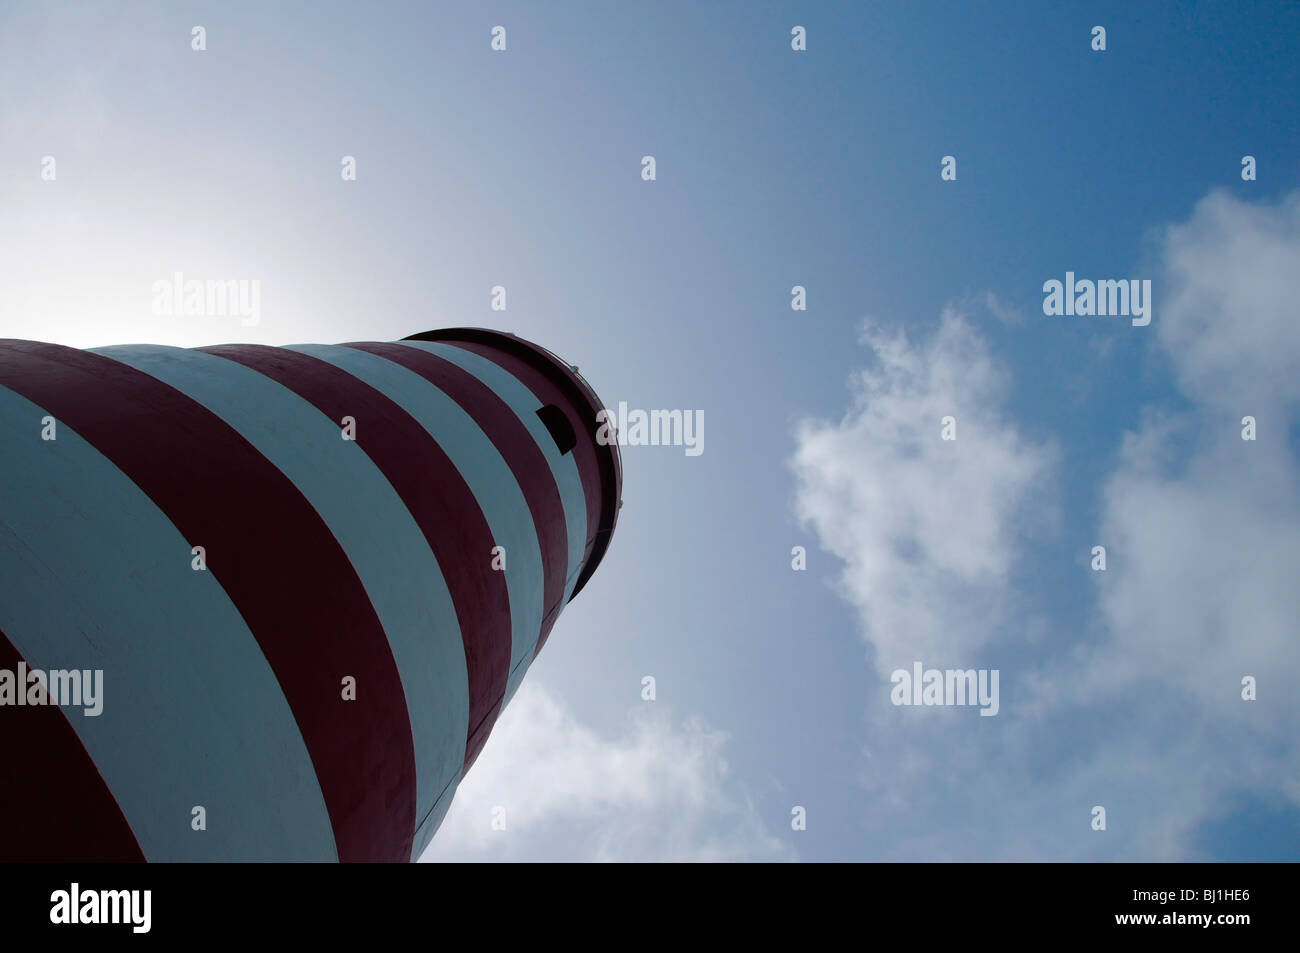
x: 298, y: 583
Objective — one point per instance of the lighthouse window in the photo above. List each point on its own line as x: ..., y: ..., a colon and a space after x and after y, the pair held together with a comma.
x: 558, y: 426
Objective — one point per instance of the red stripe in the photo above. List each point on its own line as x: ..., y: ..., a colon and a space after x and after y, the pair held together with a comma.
x: 437, y: 497
x: 55, y: 804
x: 513, y: 441
x: 278, y: 562
x: 584, y: 454
x: 580, y: 400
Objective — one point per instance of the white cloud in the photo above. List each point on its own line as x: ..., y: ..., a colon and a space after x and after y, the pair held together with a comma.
x: 1143, y: 716
x: 662, y: 792
x: 1203, y: 527
x: 1229, y: 323
x: 926, y: 527
x: 1003, y: 311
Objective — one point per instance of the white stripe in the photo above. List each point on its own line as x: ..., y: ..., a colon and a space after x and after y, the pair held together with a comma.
x: 352, y: 496
x: 94, y: 576
x: 489, y: 477
x: 525, y: 404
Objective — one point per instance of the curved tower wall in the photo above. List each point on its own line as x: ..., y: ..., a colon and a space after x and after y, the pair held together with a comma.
x: 320, y: 673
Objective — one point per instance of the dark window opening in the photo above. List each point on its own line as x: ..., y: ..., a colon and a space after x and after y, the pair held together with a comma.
x: 558, y: 426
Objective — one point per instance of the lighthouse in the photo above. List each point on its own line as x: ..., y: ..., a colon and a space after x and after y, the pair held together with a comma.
x: 266, y: 603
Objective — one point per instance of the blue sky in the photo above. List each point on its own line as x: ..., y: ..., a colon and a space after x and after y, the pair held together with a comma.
x: 778, y: 168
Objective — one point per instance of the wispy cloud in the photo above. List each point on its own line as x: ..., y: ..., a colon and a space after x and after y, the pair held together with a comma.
x: 1145, y: 715
x: 928, y: 528
x: 662, y: 791
x: 1204, y: 525
x: 1005, y: 312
